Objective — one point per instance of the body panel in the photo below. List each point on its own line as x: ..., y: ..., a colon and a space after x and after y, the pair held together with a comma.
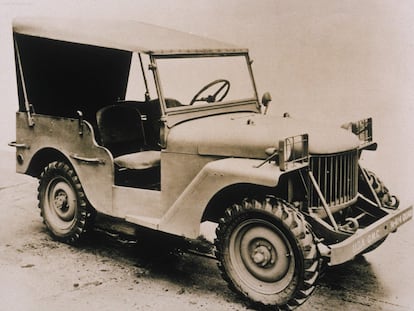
x: 135, y: 201
x: 250, y: 134
x: 181, y: 115
x: 63, y: 135
x: 184, y: 217
x: 177, y: 172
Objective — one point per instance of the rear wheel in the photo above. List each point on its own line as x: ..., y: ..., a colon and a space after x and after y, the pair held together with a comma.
x: 62, y: 202
x: 267, y: 253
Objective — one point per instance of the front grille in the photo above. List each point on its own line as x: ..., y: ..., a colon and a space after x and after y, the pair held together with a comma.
x: 337, y: 177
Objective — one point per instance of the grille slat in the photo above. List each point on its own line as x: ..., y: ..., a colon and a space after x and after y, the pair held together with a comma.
x: 325, y: 176
x: 337, y: 177
x: 331, y: 184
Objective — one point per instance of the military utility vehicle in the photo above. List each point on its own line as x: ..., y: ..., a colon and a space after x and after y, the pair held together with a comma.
x: 164, y: 130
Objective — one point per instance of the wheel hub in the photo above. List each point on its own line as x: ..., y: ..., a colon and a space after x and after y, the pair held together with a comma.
x: 61, y: 200
x: 263, y: 256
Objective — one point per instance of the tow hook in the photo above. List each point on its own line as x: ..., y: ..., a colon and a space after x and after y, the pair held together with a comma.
x: 351, y: 225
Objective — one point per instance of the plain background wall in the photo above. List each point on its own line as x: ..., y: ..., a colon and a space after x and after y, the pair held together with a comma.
x: 331, y: 60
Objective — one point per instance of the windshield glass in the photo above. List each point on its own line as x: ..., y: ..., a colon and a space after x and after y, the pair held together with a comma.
x: 202, y: 81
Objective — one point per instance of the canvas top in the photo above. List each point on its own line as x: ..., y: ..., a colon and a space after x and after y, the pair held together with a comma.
x: 121, y: 34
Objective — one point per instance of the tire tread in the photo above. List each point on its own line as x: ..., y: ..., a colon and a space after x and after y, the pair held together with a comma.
x: 296, y: 223
x: 85, y: 211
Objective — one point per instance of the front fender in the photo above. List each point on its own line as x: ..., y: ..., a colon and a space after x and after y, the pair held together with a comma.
x: 184, y: 216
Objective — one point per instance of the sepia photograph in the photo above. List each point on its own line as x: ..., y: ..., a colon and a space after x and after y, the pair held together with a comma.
x: 206, y: 155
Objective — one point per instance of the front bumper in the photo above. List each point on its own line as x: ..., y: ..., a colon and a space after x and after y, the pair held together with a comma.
x: 363, y: 238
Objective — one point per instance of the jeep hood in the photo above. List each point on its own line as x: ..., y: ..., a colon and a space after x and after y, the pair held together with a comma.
x: 250, y: 134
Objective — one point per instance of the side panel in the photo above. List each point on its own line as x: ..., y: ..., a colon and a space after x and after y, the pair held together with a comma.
x: 63, y: 134
x: 178, y: 170
x: 184, y: 217
x: 136, y: 201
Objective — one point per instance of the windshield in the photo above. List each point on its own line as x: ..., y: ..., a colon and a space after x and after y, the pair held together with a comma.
x: 202, y: 81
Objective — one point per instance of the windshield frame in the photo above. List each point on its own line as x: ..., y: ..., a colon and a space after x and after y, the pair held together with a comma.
x: 246, y: 104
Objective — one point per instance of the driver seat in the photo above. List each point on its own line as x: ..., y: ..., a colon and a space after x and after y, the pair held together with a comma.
x: 122, y: 132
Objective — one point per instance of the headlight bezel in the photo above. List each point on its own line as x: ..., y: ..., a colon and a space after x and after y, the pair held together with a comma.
x: 293, y: 152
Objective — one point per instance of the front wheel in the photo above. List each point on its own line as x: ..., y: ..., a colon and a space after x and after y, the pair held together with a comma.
x: 63, y: 203
x: 387, y: 200
x: 383, y: 194
x: 267, y: 253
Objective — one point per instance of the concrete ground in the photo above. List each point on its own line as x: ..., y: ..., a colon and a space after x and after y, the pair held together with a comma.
x: 38, y: 273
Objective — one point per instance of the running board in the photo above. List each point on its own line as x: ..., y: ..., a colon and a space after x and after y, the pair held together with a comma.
x: 148, y: 222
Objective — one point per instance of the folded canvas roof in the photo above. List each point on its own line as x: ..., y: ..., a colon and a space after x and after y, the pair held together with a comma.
x: 121, y: 34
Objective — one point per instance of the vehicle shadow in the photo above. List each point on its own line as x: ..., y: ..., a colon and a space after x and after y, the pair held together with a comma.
x: 353, y: 284
x: 165, y: 258
x: 355, y: 273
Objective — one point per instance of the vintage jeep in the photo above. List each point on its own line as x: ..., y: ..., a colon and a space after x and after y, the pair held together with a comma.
x: 164, y: 130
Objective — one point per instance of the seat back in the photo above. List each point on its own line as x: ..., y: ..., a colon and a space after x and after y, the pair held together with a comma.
x: 120, y: 129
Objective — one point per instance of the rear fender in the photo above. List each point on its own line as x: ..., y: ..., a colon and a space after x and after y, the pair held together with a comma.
x: 65, y: 139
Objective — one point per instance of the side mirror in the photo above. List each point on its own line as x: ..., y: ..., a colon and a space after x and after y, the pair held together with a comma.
x: 266, y: 99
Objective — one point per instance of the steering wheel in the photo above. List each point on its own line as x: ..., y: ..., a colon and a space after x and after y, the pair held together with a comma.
x: 224, y: 88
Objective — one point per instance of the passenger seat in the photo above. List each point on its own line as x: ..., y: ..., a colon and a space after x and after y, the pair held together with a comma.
x: 122, y: 132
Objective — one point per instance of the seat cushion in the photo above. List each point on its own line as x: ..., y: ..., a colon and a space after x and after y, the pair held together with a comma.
x: 139, y: 160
